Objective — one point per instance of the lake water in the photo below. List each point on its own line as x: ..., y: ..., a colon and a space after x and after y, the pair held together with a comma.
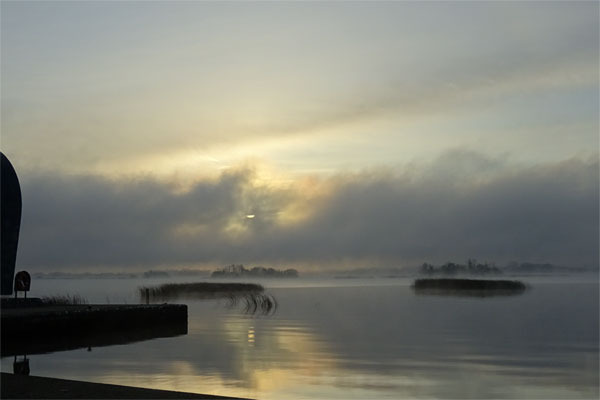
x: 350, y: 338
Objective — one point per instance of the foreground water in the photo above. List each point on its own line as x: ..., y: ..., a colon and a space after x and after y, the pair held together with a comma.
x: 348, y: 338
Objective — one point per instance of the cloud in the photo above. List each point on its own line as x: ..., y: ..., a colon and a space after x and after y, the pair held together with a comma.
x: 463, y: 204
x: 242, y: 76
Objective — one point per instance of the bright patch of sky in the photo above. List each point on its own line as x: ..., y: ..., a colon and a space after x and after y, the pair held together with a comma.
x: 192, y: 88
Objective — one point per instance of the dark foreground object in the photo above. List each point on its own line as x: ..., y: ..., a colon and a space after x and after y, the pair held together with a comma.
x: 468, y: 287
x: 31, y: 330
x: 33, y: 387
x: 10, y: 223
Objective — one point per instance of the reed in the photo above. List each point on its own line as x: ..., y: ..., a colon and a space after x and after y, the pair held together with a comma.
x: 249, y: 296
x: 197, y: 290
x: 468, y: 284
x: 254, y: 303
x: 468, y: 287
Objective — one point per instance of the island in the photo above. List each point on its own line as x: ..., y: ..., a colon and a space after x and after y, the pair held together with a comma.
x: 468, y: 287
x: 235, y: 271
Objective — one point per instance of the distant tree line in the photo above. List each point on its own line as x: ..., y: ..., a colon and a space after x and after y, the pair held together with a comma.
x: 450, y: 268
x: 120, y: 275
x: 239, y: 270
x: 528, y: 267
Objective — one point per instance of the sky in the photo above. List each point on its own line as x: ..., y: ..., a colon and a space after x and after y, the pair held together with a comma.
x: 357, y: 134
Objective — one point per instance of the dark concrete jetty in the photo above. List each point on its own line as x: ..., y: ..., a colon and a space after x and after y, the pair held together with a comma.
x: 39, y: 329
x: 35, y: 387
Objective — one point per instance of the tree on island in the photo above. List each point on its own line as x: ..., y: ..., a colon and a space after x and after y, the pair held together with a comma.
x: 450, y: 268
x: 239, y: 270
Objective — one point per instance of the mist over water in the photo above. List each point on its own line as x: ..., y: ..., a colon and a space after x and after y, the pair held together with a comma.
x: 356, y: 338
x: 347, y: 138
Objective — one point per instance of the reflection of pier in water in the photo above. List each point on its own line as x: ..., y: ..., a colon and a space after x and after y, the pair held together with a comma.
x: 21, y: 367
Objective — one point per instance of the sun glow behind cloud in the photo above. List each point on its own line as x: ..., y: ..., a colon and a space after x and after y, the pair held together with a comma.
x: 280, y: 110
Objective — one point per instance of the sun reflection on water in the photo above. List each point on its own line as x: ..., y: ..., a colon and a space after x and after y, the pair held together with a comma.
x: 251, y: 335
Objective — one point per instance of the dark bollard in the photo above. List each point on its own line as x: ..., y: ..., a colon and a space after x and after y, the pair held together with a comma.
x: 10, y: 204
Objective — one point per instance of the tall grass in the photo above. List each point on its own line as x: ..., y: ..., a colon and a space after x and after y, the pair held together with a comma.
x: 64, y: 300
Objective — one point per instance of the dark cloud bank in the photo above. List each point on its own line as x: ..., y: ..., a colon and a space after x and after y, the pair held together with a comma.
x: 462, y: 205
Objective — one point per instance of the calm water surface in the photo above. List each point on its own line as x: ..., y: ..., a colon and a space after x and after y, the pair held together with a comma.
x: 350, y: 338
